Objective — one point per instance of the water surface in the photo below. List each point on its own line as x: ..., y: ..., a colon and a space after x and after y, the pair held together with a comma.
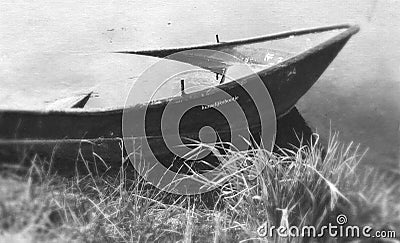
x: 357, y: 95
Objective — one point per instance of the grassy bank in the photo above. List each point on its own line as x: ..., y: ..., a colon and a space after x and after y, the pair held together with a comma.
x: 295, y: 188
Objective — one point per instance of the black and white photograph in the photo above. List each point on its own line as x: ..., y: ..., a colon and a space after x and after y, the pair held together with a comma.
x: 199, y: 121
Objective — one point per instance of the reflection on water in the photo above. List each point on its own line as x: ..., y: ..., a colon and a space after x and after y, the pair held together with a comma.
x: 292, y: 132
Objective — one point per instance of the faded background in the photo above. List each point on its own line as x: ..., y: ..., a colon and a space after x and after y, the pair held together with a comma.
x: 357, y: 95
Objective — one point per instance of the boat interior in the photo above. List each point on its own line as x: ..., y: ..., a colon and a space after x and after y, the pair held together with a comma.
x: 69, y: 80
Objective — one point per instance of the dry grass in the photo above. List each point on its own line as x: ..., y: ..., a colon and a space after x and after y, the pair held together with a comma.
x: 295, y: 188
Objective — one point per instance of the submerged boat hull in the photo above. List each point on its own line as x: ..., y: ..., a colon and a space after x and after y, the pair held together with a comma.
x: 93, y: 135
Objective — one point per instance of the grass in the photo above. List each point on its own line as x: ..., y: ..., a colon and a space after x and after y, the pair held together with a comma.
x: 297, y: 187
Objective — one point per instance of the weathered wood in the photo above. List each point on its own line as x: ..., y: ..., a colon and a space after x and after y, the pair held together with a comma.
x: 69, y: 132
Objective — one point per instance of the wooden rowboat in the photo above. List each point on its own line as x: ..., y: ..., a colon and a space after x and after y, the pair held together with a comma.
x: 97, y: 132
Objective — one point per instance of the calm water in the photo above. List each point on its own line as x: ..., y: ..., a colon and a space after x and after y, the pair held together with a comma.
x: 357, y: 95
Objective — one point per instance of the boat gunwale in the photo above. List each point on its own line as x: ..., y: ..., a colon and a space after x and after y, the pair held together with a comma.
x: 350, y: 30
x: 269, y: 37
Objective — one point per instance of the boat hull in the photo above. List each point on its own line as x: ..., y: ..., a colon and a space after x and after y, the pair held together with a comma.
x: 97, y: 136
